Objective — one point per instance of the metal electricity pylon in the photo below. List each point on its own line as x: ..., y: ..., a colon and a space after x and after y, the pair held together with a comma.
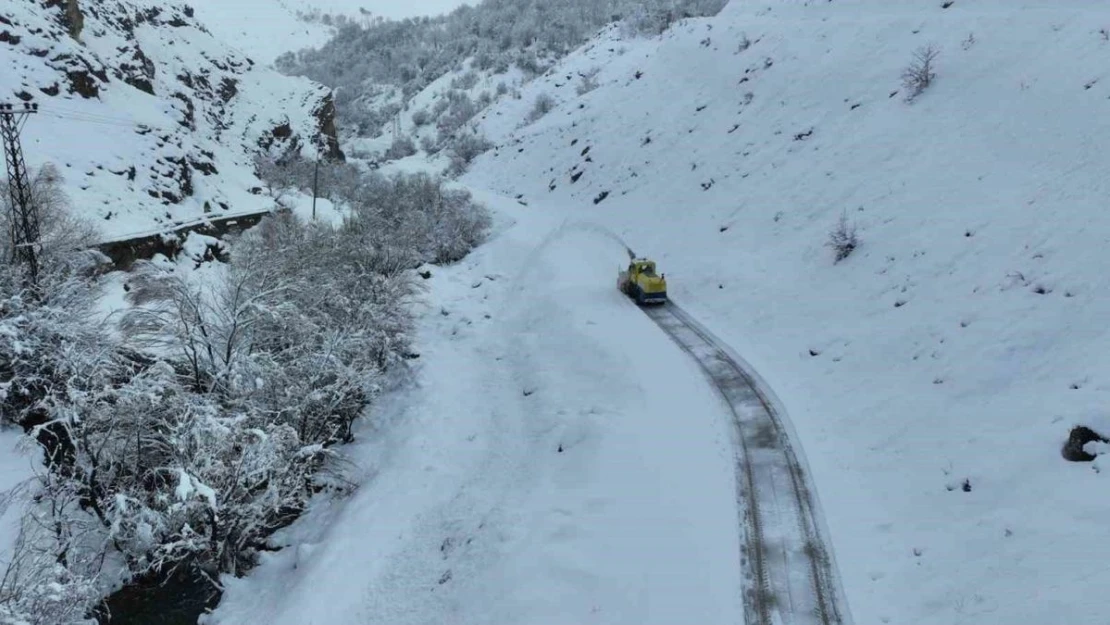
x: 24, y: 216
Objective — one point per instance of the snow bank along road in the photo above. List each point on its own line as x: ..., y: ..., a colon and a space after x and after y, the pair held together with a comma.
x: 787, y: 565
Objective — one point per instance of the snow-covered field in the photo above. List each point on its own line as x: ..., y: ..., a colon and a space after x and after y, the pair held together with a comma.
x: 265, y: 29
x: 932, y: 376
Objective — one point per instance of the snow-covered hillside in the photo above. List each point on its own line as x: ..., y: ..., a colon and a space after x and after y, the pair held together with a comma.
x: 561, y: 461
x: 933, y: 374
x: 151, y: 120
x: 265, y: 29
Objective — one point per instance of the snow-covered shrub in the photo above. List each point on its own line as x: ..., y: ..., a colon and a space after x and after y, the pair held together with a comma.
x: 421, y: 117
x: 460, y: 110
x: 44, y: 342
x: 919, y: 75
x: 364, y: 119
x: 41, y: 588
x: 588, y: 81
x: 279, y: 176
x: 440, y: 107
x: 502, y: 89
x: 178, y: 477
x: 349, y: 321
x: 430, y: 146
x: 529, y: 63
x: 463, y: 149
x: 418, y: 211
x: 207, y: 329
x: 329, y: 177
x: 338, y: 181
x: 56, y: 557
x: 653, y: 19
x: 50, y: 343
x: 843, y: 238
x: 51, y: 350
x: 542, y: 105
x: 466, y: 82
x: 484, y: 59
x: 401, y: 147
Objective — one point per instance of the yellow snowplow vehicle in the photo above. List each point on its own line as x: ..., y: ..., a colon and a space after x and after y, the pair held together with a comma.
x: 640, y: 282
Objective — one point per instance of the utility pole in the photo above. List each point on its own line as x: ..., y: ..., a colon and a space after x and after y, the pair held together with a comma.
x: 24, y: 213
x: 315, y: 184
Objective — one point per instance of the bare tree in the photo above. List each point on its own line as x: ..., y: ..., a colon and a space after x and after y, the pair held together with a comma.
x: 52, y: 567
x: 66, y: 239
x: 919, y: 75
x: 843, y: 238
x: 463, y: 149
x: 211, y: 331
x: 543, y: 105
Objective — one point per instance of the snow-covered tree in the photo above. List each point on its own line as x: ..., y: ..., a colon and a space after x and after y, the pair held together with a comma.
x: 419, y: 212
x: 463, y: 149
x: 401, y: 147
x: 542, y: 105
x: 41, y: 585
x: 65, y: 238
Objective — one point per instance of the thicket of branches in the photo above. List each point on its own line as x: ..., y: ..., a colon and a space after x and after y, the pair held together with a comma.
x: 417, y: 217
x: 498, y: 34
x: 209, y: 421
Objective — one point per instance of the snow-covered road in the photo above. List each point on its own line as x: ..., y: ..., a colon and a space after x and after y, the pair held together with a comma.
x: 787, y: 561
x: 559, y: 460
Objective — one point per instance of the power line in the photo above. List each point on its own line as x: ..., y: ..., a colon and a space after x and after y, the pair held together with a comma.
x: 102, y: 116
x: 87, y: 120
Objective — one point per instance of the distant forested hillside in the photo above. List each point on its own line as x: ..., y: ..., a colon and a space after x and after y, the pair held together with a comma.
x: 403, y: 57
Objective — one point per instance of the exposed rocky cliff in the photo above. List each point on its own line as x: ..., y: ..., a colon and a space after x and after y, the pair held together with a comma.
x: 151, y: 119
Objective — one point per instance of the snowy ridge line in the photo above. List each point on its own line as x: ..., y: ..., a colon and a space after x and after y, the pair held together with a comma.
x: 789, y: 567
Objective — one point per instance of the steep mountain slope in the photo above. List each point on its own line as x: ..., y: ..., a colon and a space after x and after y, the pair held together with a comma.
x: 151, y: 120
x: 933, y: 374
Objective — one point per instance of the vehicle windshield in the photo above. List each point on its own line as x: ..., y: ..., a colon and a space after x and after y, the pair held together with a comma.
x: 647, y: 270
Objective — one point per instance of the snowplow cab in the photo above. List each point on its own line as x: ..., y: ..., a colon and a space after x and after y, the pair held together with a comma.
x: 641, y: 282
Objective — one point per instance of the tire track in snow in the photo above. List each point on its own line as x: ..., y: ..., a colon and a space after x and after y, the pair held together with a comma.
x: 788, y: 565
